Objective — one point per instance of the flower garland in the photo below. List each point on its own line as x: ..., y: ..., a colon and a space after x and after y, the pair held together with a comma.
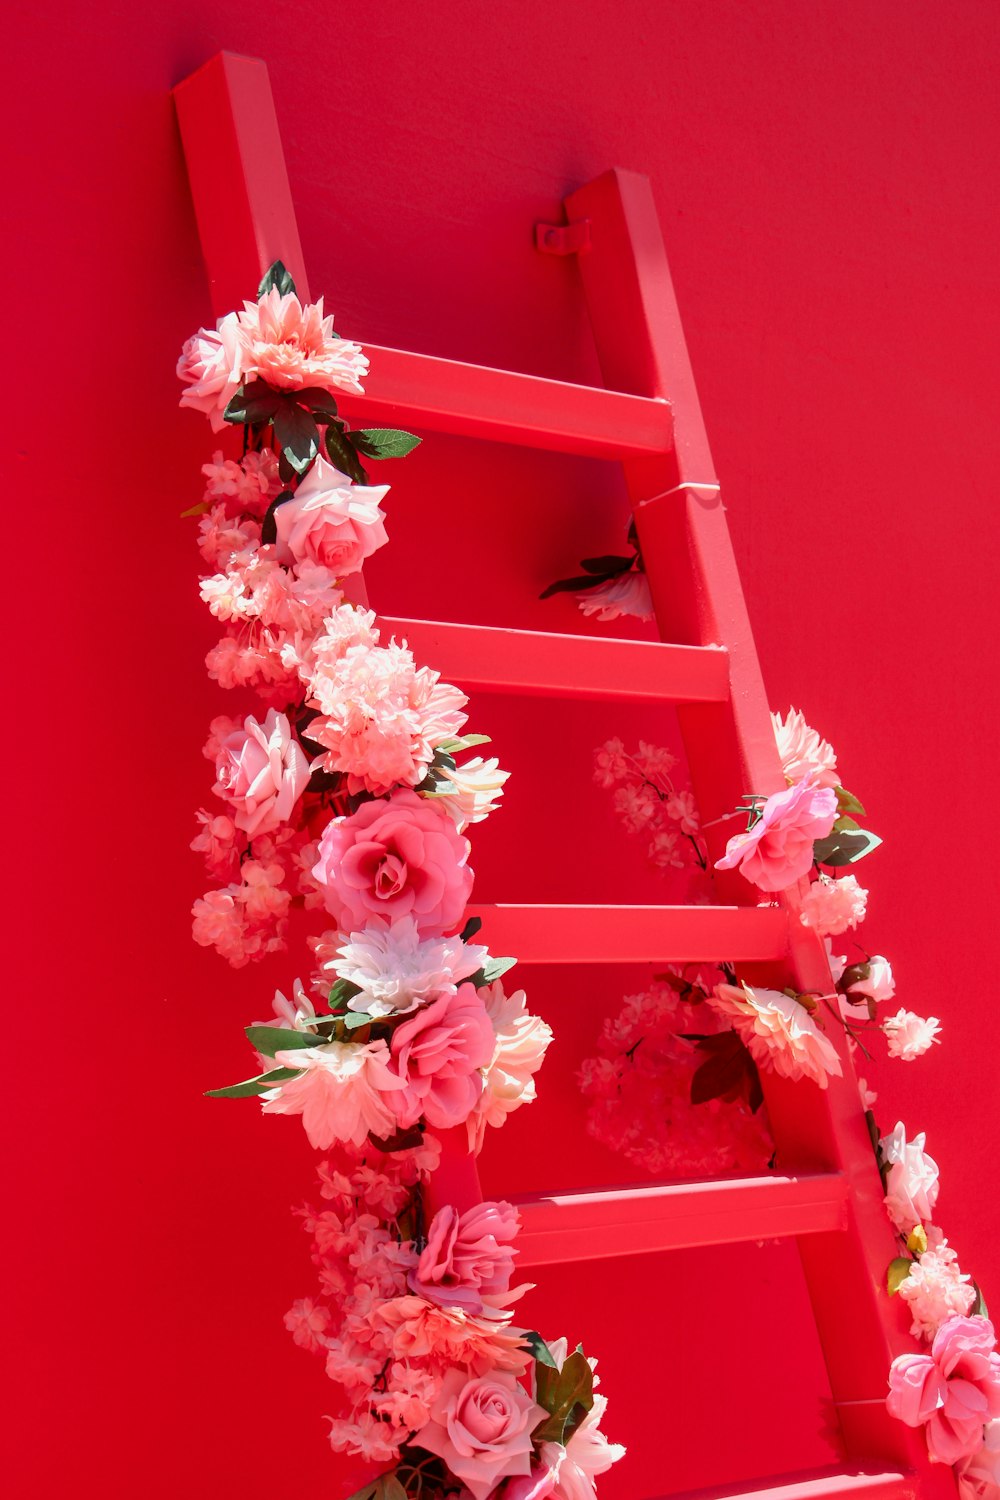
x: 348, y: 795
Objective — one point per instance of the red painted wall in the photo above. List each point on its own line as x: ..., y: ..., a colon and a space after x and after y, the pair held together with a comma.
x: 825, y: 179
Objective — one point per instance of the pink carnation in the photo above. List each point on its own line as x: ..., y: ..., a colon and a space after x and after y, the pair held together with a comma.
x: 911, y: 1180
x: 935, y: 1290
x: 344, y: 1092
x: 449, y: 1336
x: 909, y: 1035
x: 440, y: 1053
x: 292, y: 346
x: 802, y: 752
x: 211, y: 369
x: 469, y: 1258
x: 778, y: 849
x: 481, y: 1427
x: 829, y: 907
x: 331, y: 521
x: 262, y: 772
x: 392, y: 858
x: 951, y: 1392
x: 780, y: 1033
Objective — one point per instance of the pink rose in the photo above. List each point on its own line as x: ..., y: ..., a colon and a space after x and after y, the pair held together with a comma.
x: 778, y: 849
x: 210, y: 367
x: 440, y: 1054
x: 482, y: 1429
x: 953, y: 1391
x: 391, y: 858
x: 331, y: 521
x: 262, y: 772
x: 469, y: 1258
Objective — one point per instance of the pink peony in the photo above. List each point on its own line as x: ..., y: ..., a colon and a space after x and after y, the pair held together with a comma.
x: 935, y: 1290
x: 396, y: 968
x: 331, y: 521
x: 909, y: 1035
x: 829, y: 907
x: 519, y: 1046
x: 343, y: 1094
x: 780, y: 1033
x: 628, y: 594
x: 778, y: 849
x: 953, y: 1391
x: 293, y: 347
x: 440, y: 1054
x: 802, y: 751
x: 262, y: 772
x: 390, y: 859
x: 469, y: 1258
x: 482, y: 1428
x: 911, y: 1182
x: 212, y: 370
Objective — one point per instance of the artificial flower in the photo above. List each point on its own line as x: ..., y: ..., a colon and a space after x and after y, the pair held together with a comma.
x: 440, y: 1053
x: 778, y: 849
x: 909, y: 1035
x: 951, y: 1392
x: 935, y: 1290
x: 344, y: 1092
x: 780, y: 1033
x: 627, y: 594
x: 262, y: 772
x: 911, y: 1180
x: 331, y: 521
x: 830, y: 907
x: 481, y: 1427
x: 803, y: 754
x: 519, y: 1044
x: 468, y: 1259
x: 396, y: 967
x: 291, y: 346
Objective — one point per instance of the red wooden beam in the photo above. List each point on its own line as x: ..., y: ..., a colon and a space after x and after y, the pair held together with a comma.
x: 819, y: 1484
x: 556, y: 1229
x: 498, y: 660
x: 635, y: 934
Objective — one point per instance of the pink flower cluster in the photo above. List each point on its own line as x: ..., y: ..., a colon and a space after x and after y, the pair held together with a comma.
x: 639, y: 1088
x: 649, y: 804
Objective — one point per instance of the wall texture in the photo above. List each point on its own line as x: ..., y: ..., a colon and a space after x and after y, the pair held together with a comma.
x: 825, y: 178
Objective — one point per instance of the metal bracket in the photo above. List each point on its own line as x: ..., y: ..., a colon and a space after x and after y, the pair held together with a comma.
x: 563, y: 239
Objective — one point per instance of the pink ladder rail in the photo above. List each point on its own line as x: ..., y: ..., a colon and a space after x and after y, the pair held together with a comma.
x: 246, y: 220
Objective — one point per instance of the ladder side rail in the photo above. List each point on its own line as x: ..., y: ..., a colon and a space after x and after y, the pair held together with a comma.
x: 682, y: 529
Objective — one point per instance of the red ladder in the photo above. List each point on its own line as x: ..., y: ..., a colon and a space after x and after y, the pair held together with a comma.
x: 649, y: 418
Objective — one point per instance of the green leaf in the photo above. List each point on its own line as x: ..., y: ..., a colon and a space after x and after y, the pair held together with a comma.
x: 464, y: 742
x: 277, y: 274
x: 272, y: 1039
x: 470, y: 929
x: 341, y: 992
x: 567, y: 1395
x: 389, y: 1488
x: 979, y: 1308
x: 356, y: 1018
x: 493, y: 968
x: 897, y: 1273
x: 570, y: 585
x: 384, y: 442
x: 366, y: 1492
x: 296, y: 431
x: 269, y: 525
x: 255, y: 402
x: 196, y: 510
x: 845, y: 847
x: 540, y: 1351
x: 608, y: 566
x: 848, y: 803
x: 343, y: 455
x: 320, y: 402
x: 258, y: 1085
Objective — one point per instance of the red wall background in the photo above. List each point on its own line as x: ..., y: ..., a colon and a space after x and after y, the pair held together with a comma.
x: 825, y: 176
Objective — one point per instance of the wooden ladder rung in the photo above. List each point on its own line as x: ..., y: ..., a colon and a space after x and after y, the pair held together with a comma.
x: 565, y: 1227
x: 821, y: 1484
x: 504, y: 406
x: 635, y: 934
x: 498, y: 660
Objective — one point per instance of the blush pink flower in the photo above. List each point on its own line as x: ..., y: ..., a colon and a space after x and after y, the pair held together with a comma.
x: 876, y: 984
x: 778, y: 849
x: 979, y: 1475
x: 520, y: 1041
x: 587, y: 1454
x: 449, y: 1336
x: 951, y: 1392
x: 307, y: 1322
x: 829, y: 907
x: 628, y: 594
x: 292, y: 346
x: 935, y: 1290
x: 331, y: 521
x: 262, y: 772
x: 211, y: 369
x: 911, y: 1180
x: 802, y: 752
x: 482, y: 1428
x: 469, y: 1258
x: 344, y: 1092
x: 909, y: 1035
x: 391, y: 859
x: 440, y: 1054
x: 780, y: 1033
